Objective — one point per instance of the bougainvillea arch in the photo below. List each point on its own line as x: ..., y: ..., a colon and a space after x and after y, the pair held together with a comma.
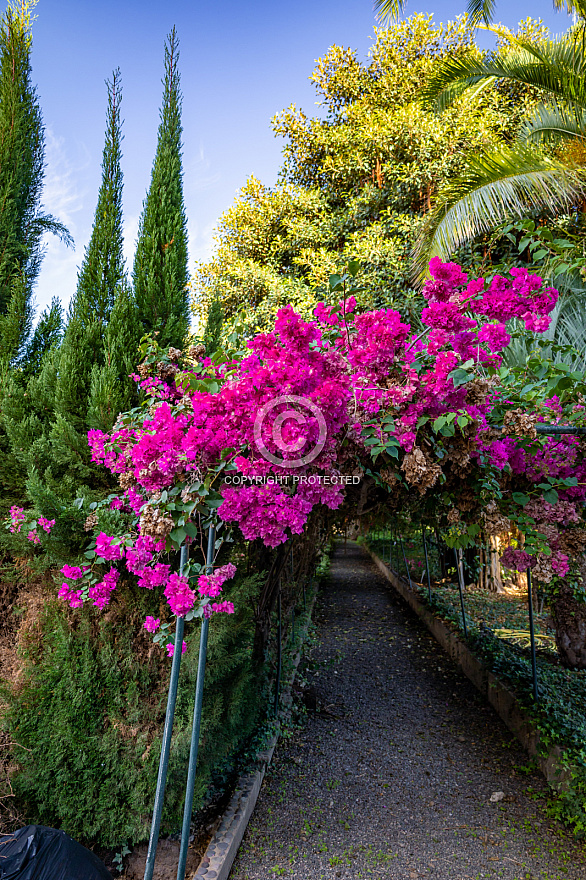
x: 410, y: 409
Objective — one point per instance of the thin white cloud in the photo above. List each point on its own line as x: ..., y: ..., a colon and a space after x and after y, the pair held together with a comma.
x: 62, y: 197
x: 198, y: 174
x: 201, y: 240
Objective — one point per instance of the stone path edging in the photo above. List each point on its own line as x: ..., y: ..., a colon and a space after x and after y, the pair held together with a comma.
x: 498, y: 695
x: 222, y: 849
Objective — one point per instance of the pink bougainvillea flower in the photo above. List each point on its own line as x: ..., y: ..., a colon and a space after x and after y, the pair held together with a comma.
x: 106, y: 549
x: 179, y: 595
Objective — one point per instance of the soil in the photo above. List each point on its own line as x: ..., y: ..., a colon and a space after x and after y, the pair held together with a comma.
x: 401, y: 770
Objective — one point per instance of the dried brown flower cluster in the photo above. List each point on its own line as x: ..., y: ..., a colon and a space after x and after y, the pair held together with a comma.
x: 478, y: 389
x: 389, y: 476
x: 458, y: 455
x: 572, y: 541
x: 126, y: 480
x: 195, y: 352
x: 90, y: 523
x: 420, y: 471
x: 493, y: 521
x: 542, y: 572
x: 467, y: 500
x: 155, y: 523
x: 167, y: 372
x: 520, y: 423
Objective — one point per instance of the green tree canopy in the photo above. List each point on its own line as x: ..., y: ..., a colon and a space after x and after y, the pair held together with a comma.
x: 357, y: 179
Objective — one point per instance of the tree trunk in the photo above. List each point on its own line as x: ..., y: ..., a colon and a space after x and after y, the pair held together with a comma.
x: 569, y: 616
x: 495, y: 579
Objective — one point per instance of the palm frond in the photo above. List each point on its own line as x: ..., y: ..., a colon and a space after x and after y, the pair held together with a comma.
x: 389, y: 10
x: 558, y: 67
x: 481, y: 10
x: 554, y: 123
x: 570, y: 6
x: 498, y: 184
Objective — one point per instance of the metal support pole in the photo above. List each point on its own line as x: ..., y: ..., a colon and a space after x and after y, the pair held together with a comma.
x: 459, y: 566
x: 532, y: 632
x: 426, y: 563
x: 194, y: 748
x: 278, y: 683
x: 440, y: 556
x: 405, y: 559
x: 167, y: 732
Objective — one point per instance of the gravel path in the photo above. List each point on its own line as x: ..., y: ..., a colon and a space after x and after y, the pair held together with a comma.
x: 393, y: 775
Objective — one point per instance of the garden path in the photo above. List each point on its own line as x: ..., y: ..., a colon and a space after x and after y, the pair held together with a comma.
x: 392, y: 774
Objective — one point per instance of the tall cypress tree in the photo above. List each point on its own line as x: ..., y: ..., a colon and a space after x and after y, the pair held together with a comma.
x: 100, y: 280
x: 160, y: 272
x: 22, y: 225
x: 92, y: 375
x: 22, y: 149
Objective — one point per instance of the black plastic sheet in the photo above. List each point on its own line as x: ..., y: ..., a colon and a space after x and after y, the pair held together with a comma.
x: 39, y: 853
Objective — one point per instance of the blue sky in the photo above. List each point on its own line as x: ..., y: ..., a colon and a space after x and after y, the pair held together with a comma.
x: 240, y: 64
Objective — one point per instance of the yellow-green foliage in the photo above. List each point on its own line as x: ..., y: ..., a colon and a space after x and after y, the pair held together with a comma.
x: 356, y: 180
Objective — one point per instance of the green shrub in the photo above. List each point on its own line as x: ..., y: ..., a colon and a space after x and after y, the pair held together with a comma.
x: 89, y: 717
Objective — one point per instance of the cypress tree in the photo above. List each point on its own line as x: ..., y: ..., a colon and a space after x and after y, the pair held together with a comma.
x: 22, y: 225
x: 92, y: 376
x: 160, y: 272
x: 28, y: 406
x: 101, y: 278
x: 22, y: 148
x: 213, y: 329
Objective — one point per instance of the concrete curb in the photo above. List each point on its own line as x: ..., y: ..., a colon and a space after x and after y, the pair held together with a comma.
x: 223, y: 847
x: 550, y: 759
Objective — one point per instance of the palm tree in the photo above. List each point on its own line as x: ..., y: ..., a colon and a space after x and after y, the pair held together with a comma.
x: 478, y: 10
x: 538, y: 169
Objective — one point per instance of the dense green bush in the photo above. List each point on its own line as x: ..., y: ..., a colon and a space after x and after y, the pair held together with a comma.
x: 89, y: 716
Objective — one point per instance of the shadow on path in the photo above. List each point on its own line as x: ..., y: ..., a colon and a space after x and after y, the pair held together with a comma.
x: 393, y: 776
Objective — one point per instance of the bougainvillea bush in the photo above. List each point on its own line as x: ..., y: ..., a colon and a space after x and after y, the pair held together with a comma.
x: 257, y: 438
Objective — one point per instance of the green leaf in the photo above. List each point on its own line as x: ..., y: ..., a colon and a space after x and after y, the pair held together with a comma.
x: 191, y: 530
x: 460, y: 377
x: 551, y: 496
x: 178, y: 535
x: 520, y: 498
